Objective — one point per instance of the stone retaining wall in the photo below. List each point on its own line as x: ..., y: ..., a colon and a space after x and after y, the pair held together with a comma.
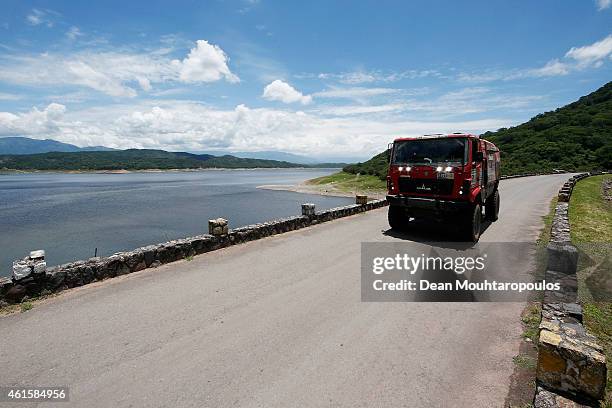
x: 571, y: 370
x: 31, y: 283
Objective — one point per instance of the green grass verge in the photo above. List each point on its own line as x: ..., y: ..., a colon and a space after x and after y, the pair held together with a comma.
x: 348, y: 182
x: 590, y: 215
x: 591, y: 221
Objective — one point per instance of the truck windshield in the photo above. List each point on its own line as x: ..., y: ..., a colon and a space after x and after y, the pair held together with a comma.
x: 428, y: 151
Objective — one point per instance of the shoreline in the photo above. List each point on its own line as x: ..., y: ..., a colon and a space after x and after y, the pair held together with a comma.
x: 125, y: 171
x: 321, y: 189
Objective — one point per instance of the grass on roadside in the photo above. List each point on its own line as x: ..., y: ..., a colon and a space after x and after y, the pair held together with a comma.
x: 591, y: 230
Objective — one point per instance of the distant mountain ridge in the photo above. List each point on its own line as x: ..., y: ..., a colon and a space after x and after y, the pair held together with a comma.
x: 135, y: 159
x: 26, y: 145
x: 16, y: 145
x: 276, y: 155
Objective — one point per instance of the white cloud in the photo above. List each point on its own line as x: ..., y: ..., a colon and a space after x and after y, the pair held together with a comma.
x: 38, y: 17
x: 205, y: 63
x: 185, y: 126
x: 73, y: 33
x: 591, y: 54
x: 116, y: 73
x: 34, y: 122
x: 552, y: 68
x: 353, y: 93
x: 577, y: 58
x: 361, y: 109
x: 281, y: 91
x: 9, y: 97
x: 603, y: 4
x: 363, y: 77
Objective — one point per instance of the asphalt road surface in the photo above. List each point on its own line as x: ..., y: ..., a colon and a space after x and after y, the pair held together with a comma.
x: 275, y: 323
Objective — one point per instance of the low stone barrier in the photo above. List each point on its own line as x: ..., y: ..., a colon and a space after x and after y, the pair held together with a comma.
x: 571, y: 370
x: 31, y: 279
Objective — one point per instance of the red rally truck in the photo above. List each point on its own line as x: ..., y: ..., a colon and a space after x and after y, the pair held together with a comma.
x: 447, y: 178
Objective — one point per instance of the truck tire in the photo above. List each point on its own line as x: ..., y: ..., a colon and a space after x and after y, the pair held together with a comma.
x: 492, y: 207
x: 471, y: 230
x: 397, y: 218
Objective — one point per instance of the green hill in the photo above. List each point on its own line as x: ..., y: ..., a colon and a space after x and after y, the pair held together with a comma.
x: 576, y: 137
x: 131, y: 159
x: 376, y: 166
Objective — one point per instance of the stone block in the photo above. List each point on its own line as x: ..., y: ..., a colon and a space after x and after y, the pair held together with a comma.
x: 308, y: 210
x: 562, y: 257
x: 39, y: 267
x: 547, y: 399
x: 218, y: 227
x: 37, y: 255
x: 21, y: 269
x: 570, y: 361
x: 15, y: 293
x: 361, y: 199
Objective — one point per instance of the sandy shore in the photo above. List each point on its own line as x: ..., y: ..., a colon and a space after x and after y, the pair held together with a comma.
x: 321, y: 189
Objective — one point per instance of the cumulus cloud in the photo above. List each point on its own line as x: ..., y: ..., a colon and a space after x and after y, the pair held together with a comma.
x: 205, y: 63
x: 603, y: 4
x: 34, y: 122
x: 281, y: 91
x: 188, y: 126
x: 116, y: 73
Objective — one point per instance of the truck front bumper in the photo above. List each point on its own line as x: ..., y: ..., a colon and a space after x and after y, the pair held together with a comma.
x: 424, y: 205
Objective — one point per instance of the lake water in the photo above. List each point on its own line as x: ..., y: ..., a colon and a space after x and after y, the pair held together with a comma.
x: 69, y: 215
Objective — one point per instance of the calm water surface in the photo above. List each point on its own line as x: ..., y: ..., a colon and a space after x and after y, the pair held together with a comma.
x: 69, y: 215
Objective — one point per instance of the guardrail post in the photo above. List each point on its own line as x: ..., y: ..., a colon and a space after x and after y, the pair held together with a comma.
x: 218, y: 227
x: 33, y: 263
x: 308, y: 210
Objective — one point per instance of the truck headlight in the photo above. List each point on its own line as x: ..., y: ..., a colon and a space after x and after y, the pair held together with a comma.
x: 439, y: 168
x: 449, y: 168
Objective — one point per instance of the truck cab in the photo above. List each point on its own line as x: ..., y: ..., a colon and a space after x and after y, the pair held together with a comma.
x: 443, y: 177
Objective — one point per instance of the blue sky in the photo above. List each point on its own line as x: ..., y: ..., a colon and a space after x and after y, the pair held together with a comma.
x: 326, y: 79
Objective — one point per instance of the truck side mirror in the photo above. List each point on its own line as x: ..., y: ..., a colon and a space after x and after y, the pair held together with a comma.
x: 478, y: 157
x: 388, y: 152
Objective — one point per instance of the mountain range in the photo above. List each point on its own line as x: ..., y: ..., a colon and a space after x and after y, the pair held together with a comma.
x: 25, y: 145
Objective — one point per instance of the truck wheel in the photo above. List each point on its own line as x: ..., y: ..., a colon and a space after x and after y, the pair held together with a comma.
x: 397, y: 218
x: 492, y: 207
x: 472, y: 225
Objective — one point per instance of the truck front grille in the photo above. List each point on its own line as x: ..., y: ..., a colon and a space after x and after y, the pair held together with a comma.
x: 426, y: 186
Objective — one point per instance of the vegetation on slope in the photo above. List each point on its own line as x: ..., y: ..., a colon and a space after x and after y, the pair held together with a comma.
x: 376, y: 166
x: 349, y: 183
x: 132, y: 159
x: 575, y: 137
x: 591, y: 220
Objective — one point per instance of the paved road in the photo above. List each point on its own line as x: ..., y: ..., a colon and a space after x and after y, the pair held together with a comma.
x: 275, y: 323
